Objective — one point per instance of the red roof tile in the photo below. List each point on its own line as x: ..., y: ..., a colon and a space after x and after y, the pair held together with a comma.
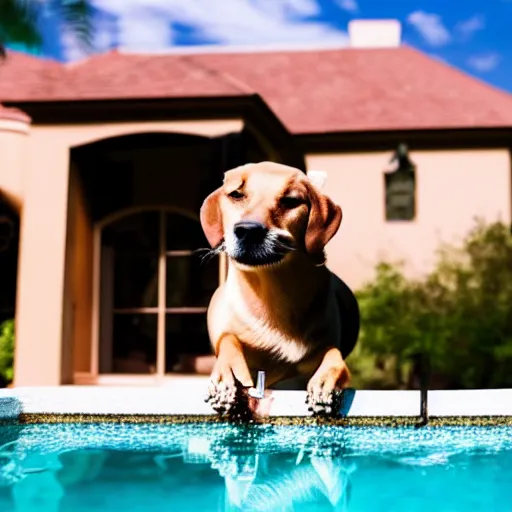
x: 310, y: 91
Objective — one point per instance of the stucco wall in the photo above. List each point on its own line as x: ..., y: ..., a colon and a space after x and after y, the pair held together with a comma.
x: 453, y: 187
x: 13, y: 151
x: 78, y: 297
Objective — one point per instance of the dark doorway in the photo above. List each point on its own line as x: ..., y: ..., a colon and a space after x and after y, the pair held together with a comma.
x: 9, y: 246
x: 143, y: 194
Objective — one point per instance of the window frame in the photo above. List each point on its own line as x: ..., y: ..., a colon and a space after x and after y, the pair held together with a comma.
x: 161, y: 309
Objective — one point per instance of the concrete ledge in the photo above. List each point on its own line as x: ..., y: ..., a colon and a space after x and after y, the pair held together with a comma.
x: 472, y: 402
x: 189, y: 400
x: 186, y: 399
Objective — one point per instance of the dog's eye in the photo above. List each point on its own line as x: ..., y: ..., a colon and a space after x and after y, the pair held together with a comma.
x: 236, y: 194
x: 290, y: 202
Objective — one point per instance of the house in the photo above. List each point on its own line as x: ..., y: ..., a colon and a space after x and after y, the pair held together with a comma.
x: 105, y: 163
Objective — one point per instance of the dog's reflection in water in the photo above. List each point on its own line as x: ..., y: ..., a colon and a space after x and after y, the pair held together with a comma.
x: 286, y: 482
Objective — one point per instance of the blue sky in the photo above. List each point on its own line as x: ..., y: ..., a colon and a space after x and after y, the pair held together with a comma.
x: 474, y: 35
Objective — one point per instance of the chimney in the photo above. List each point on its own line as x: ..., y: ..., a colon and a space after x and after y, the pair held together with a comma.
x: 374, y: 33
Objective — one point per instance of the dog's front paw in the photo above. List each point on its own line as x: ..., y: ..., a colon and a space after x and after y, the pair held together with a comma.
x: 230, y: 381
x: 231, y: 400
x: 222, y: 397
x: 322, y: 403
x: 325, y: 390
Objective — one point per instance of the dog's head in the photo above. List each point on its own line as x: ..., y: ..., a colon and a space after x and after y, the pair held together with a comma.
x: 264, y: 213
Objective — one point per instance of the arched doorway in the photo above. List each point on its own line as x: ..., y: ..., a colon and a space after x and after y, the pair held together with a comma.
x: 125, y: 194
x: 154, y: 291
x: 9, y: 247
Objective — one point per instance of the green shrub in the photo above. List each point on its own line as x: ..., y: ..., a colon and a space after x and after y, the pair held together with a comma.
x: 460, y: 315
x: 7, y: 350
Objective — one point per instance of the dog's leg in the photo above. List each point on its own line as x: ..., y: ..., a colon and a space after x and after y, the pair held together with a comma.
x: 324, y: 387
x: 229, y: 377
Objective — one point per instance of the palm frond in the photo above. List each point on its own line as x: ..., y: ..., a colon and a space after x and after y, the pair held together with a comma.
x: 19, y: 22
x: 77, y: 17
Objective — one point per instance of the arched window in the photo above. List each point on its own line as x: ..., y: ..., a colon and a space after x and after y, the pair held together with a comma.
x: 154, y: 292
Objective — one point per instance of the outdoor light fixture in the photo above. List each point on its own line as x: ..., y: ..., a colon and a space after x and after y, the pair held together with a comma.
x: 400, y: 187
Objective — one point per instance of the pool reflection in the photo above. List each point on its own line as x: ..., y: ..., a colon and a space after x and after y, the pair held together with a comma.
x: 227, y: 474
x: 284, y: 482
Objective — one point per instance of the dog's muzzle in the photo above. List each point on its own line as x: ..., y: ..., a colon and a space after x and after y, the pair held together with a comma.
x: 256, y: 245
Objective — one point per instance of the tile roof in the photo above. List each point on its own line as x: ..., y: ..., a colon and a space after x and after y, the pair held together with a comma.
x: 311, y: 91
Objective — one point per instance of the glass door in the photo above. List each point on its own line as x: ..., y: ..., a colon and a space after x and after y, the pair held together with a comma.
x: 189, y: 285
x: 154, y: 293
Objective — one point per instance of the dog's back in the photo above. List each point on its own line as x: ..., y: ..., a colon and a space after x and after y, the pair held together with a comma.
x: 348, y: 314
x: 349, y: 319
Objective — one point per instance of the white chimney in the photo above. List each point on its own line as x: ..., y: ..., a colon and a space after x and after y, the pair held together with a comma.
x: 375, y: 33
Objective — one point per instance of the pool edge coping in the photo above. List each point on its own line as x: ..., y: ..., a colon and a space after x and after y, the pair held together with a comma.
x: 67, y: 404
x: 343, y: 421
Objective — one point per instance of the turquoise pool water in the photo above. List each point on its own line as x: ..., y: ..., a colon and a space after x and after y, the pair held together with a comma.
x: 108, y: 467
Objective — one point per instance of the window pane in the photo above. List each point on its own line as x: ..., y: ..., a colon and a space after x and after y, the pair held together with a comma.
x: 190, y: 282
x: 400, y: 195
x: 184, y: 233
x: 134, y: 343
x: 135, y: 280
x: 130, y: 248
x: 137, y: 232
x: 185, y: 335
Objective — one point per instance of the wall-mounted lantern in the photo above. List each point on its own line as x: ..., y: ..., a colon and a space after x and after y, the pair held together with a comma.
x: 400, y: 187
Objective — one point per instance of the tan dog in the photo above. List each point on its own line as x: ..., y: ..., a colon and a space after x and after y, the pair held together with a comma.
x: 280, y: 310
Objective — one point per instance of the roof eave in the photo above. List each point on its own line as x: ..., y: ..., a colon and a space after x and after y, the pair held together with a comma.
x: 384, y: 140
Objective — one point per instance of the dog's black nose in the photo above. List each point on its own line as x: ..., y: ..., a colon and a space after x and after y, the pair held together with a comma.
x: 248, y: 231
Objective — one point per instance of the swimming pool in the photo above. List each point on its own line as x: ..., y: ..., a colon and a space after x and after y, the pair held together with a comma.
x: 216, y: 467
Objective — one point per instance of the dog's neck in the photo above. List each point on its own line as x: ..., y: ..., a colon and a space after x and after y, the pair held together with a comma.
x: 290, y: 287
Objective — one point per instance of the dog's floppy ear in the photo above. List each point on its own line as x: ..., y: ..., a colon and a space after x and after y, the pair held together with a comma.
x: 211, y: 218
x: 324, y: 221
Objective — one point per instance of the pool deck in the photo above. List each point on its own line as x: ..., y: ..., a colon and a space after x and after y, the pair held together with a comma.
x: 184, y: 398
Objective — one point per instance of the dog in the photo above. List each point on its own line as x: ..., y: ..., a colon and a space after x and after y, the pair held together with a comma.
x: 280, y: 310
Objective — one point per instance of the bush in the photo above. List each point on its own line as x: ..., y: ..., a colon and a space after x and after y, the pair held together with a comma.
x: 7, y: 351
x: 460, y: 315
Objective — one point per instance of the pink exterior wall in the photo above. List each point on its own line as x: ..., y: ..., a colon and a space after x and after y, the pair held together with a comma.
x: 453, y: 187
x: 13, y: 154
x: 78, y: 295
x: 39, y: 308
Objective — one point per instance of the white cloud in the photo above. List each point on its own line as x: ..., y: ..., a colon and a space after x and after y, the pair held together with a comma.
x: 72, y: 49
x: 145, y: 29
x: 147, y: 25
x: 468, y: 27
x: 284, y: 9
x: 300, y: 7
x: 484, y: 62
x: 431, y: 27
x: 348, y: 5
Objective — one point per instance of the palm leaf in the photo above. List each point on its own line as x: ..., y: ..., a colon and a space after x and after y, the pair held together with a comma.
x: 19, y: 21
x: 77, y: 17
